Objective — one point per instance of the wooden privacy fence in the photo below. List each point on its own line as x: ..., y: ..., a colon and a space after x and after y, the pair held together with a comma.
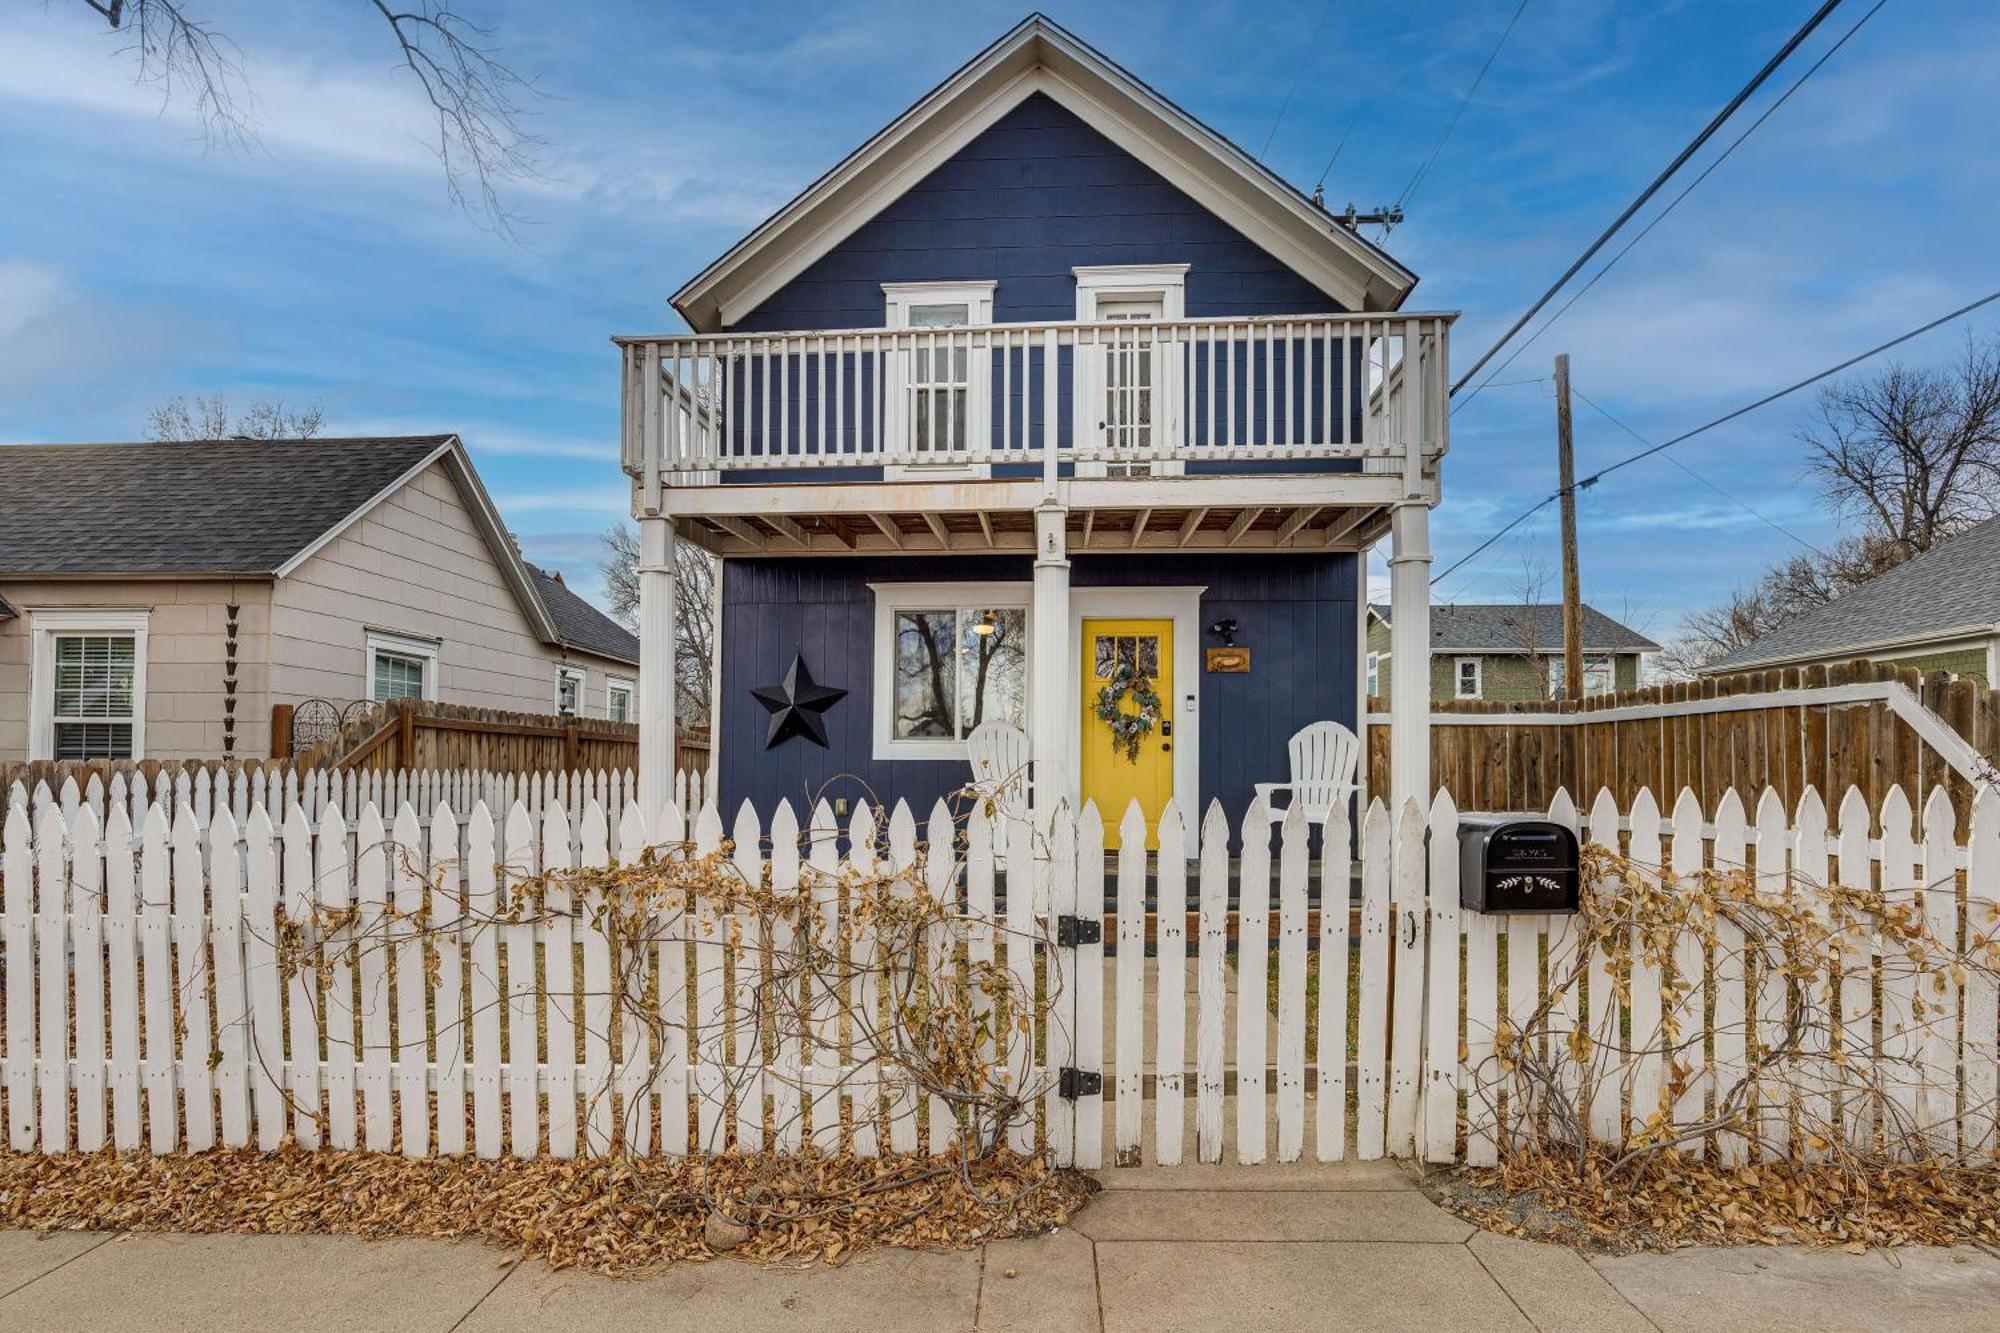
x: 172, y: 987
x: 1865, y: 724
x: 419, y: 734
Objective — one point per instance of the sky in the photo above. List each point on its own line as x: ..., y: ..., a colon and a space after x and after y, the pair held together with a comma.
x: 326, y: 263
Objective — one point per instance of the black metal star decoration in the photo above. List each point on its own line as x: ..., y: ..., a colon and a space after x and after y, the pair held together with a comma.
x: 797, y: 706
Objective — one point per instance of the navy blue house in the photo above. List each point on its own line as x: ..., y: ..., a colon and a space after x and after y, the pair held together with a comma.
x: 1050, y: 421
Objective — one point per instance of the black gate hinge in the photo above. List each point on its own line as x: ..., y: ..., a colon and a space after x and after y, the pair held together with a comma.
x: 1073, y: 1083
x: 1074, y: 930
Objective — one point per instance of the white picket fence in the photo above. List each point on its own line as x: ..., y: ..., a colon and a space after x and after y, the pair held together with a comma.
x: 141, y: 976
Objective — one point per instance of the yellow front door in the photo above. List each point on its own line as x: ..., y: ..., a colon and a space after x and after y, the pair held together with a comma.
x: 1114, y: 775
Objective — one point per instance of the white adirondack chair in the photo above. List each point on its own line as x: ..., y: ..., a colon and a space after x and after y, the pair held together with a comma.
x: 999, y: 755
x: 1324, y: 759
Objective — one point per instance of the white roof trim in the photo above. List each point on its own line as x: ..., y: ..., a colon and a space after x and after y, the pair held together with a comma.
x: 485, y: 517
x: 1039, y: 56
x: 1937, y: 640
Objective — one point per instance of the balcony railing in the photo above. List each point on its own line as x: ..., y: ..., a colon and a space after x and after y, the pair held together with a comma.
x: 1114, y: 398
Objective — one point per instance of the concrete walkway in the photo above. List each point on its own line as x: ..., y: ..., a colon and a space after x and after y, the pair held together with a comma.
x: 1216, y: 1249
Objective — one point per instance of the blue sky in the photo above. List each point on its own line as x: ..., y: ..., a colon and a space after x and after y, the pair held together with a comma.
x: 326, y: 262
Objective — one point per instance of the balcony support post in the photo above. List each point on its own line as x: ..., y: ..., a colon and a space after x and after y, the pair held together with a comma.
x: 656, y: 663
x: 1410, y: 655
x: 1049, y: 721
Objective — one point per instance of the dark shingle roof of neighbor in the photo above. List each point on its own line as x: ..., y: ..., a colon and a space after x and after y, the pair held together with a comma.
x: 195, y: 507
x: 1503, y: 627
x: 581, y: 625
x: 1953, y: 586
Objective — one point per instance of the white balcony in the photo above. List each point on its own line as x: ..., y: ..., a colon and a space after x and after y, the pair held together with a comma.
x: 1272, y: 430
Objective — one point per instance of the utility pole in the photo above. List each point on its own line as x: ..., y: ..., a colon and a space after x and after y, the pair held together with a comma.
x: 1572, y: 593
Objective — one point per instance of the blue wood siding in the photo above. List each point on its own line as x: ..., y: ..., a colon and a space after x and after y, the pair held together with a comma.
x: 1296, y: 612
x: 1033, y: 197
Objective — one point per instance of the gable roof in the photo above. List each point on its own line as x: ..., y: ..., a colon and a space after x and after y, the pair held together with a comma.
x: 199, y: 507
x: 1949, y: 591
x: 1039, y: 55
x: 249, y: 508
x: 580, y: 625
x: 1506, y: 627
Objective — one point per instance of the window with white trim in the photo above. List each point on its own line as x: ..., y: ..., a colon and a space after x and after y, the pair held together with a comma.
x: 569, y: 691
x: 938, y: 398
x: 401, y: 666
x: 948, y: 657
x: 618, y: 693
x: 1374, y: 674
x: 1131, y: 400
x: 1468, y: 678
x: 1600, y: 676
x: 87, y: 686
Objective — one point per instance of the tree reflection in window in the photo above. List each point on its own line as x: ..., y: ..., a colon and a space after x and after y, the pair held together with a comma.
x: 950, y: 678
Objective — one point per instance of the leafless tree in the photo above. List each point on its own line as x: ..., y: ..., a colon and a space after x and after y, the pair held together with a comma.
x: 206, y: 417
x: 479, y: 101
x: 1911, y: 455
x: 1530, y: 591
x: 694, y: 614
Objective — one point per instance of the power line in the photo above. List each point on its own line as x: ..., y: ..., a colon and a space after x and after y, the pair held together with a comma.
x: 1367, y: 97
x: 1586, y: 482
x: 1661, y: 216
x: 1768, y: 522
x: 1680, y: 160
x: 1286, y: 105
x: 1423, y: 168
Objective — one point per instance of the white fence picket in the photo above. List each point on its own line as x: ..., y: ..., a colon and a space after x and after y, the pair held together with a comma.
x: 121, y: 946
x: 1372, y: 1036
x: 191, y: 980
x: 86, y: 922
x: 1212, y: 987
x: 1406, y: 1039
x: 1253, y: 975
x: 1170, y: 988
x: 1293, y: 851
x: 1444, y: 1001
x: 1335, y: 892
x: 1129, y: 1106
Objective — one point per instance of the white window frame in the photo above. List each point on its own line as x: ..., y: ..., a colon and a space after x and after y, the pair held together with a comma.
x: 1604, y: 665
x: 1375, y: 674
x: 404, y: 645
x: 1458, y: 666
x: 566, y: 672
x: 977, y: 298
x: 615, y: 685
x: 44, y: 628
x: 1167, y: 284
x: 891, y: 598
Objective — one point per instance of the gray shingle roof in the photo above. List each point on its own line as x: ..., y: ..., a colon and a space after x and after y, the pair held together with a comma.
x: 196, y: 507
x: 581, y: 625
x: 1508, y: 627
x: 1952, y: 586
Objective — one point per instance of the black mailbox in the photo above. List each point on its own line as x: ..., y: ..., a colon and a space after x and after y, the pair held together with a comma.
x: 1516, y: 863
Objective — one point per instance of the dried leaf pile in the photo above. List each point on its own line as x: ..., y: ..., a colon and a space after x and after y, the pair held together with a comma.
x: 606, y: 1215
x: 1673, y: 1201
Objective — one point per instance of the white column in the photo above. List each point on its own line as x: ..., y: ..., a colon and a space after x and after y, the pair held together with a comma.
x: 656, y: 663
x: 1049, y: 720
x: 1410, y: 655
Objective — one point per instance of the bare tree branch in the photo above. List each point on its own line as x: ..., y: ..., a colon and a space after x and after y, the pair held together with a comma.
x: 694, y: 614
x: 206, y: 417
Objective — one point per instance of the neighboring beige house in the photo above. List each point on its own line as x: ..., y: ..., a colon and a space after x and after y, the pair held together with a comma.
x: 1939, y: 611
x: 157, y: 599
x: 1505, y: 652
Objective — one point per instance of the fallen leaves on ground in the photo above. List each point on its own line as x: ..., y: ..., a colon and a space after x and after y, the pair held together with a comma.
x: 1672, y: 1201
x: 608, y: 1215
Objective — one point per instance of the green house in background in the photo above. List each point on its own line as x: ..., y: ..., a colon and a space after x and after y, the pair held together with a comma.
x: 1511, y: 652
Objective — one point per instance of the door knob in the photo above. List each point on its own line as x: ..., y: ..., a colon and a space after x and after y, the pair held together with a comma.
x: 1166, y: 745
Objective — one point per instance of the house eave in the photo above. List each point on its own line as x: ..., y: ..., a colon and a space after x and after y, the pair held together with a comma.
x: 1940, y: 638
x: 1039, y: 56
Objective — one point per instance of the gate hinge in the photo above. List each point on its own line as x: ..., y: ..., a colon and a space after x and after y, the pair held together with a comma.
x: 1074, y: 930
x: 1073, y: 1083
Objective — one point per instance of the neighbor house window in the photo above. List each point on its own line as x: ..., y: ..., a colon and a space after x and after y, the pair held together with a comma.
x: 87, y: 684
x: 938, y: 400
x: 569, y: 691
x: 1374, y: 674
x: 618, y: 699
x: 948, y: 658
x: 1600, y: 676
x: 1467, y: 677
x: 401, y: 667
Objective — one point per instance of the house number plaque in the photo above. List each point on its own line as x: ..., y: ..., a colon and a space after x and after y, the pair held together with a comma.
x: 1227, y: 659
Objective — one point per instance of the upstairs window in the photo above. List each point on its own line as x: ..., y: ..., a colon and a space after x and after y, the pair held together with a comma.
x: 939, y: 389
x: 87, y: 686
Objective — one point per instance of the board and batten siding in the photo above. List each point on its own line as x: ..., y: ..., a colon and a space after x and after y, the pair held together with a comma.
x: 416, y: 565
x: 185, y: 635
x: 1296, y: 613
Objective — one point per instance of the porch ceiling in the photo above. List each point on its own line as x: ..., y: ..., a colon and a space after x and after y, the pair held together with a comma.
x: 1099, y: 529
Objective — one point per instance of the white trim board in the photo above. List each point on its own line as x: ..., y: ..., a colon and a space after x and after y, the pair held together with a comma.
x: 1182, y: 605
x: 1038, y: 55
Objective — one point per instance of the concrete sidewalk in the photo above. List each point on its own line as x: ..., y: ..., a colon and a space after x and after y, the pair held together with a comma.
x: 1216, y: 1249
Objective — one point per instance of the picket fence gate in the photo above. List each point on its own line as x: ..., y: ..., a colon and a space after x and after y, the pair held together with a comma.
x: 145, y: 1004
